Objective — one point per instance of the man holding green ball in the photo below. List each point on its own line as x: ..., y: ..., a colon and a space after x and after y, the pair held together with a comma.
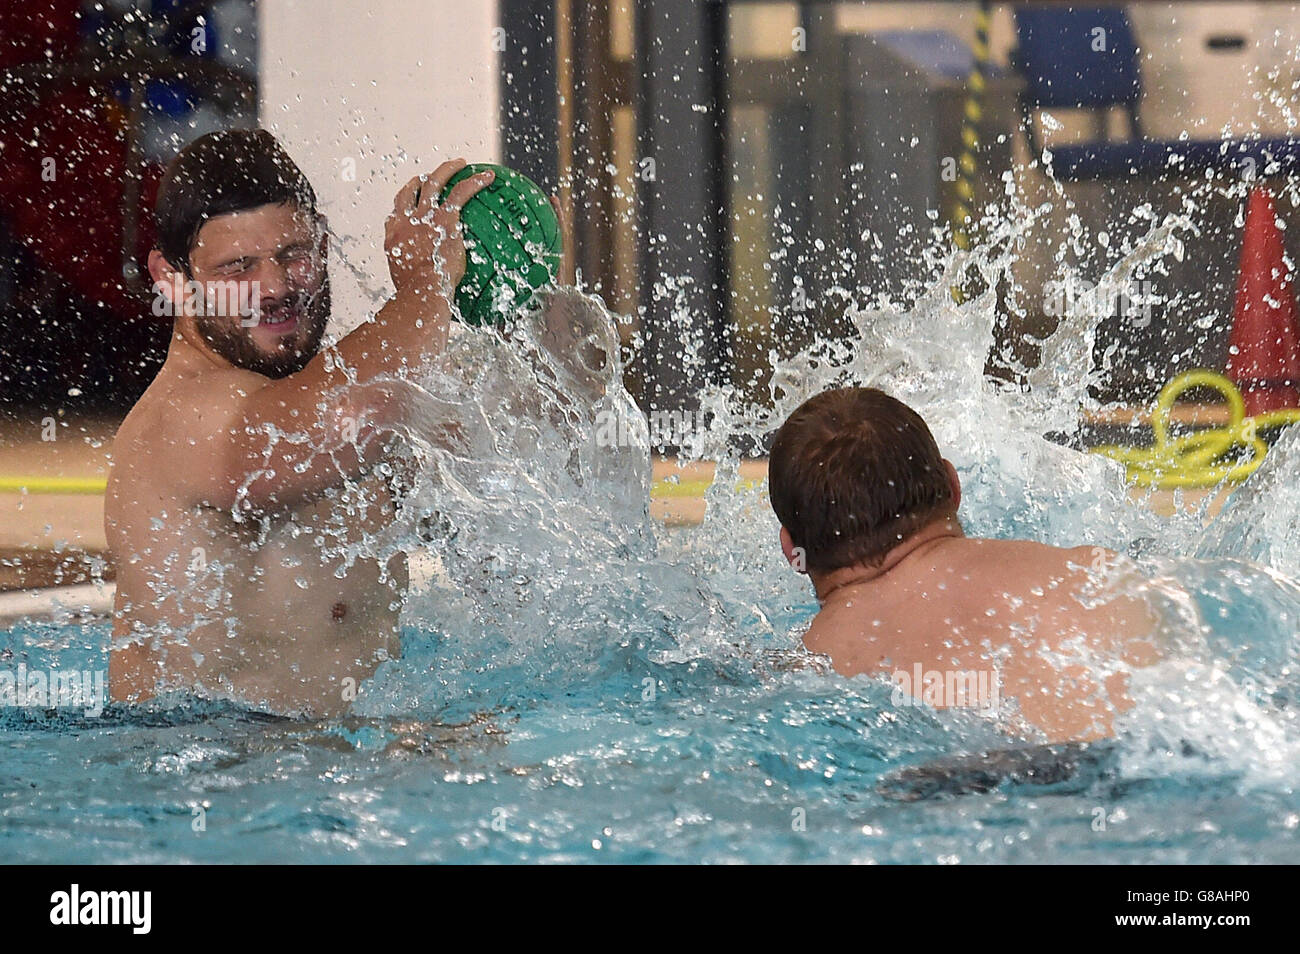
x: 254, y: 457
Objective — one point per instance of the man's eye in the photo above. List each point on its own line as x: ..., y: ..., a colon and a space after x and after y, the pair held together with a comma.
x: 234, y: 268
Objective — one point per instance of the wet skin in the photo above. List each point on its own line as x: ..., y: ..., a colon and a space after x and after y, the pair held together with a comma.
x: 233, y: 572
x: 952, y: 603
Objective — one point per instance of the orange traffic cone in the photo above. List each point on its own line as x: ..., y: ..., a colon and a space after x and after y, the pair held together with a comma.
x: 1264, y: 346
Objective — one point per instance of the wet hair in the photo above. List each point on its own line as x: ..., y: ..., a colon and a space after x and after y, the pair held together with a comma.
x: 223, y: 172
x: 853, y: 472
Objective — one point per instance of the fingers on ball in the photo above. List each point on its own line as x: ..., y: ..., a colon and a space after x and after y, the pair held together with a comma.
x: 437, y: 180
x: 405, y: 197
x: 466, y: 189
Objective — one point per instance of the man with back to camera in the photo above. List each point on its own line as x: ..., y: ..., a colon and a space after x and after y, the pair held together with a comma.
x: 230, y: 546
x: 868, y: 508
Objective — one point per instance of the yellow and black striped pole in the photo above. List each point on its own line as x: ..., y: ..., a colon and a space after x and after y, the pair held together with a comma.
x: 961, y: 216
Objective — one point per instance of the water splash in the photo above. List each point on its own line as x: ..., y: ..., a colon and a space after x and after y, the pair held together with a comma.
x: 591, y: 650
x: 540, y: 558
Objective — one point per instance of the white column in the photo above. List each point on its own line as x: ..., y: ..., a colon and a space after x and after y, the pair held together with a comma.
x: 366, y: 93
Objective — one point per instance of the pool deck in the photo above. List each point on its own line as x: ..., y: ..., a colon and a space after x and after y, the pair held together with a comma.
x: 51, y: 540
x: 57, y: 539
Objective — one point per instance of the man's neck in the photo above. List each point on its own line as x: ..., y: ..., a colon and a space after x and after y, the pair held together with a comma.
x: 927, y: 538
x: 189, y: 350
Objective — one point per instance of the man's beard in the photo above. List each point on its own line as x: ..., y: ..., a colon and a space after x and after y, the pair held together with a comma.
x: 228, y: 338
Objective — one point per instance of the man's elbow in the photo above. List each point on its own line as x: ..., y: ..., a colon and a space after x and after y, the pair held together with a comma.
x: 289, y: 482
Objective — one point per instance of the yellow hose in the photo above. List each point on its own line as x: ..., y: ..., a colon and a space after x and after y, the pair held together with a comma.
x: 1197, y: 460
x: 667, y: 488
x: 960, y: 215
x: 52, y: 485
x: 662, y: 488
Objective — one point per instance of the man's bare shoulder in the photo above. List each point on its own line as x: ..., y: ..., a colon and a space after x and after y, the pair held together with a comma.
x: 1031, y: 558
x: 180, y: 411
x: 1064, y: 585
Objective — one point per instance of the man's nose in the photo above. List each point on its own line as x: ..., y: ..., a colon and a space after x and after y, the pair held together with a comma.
x: 272, y: 280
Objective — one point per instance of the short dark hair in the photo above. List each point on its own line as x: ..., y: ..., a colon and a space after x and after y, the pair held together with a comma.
x: 223, y: 172
x: 852, y: 473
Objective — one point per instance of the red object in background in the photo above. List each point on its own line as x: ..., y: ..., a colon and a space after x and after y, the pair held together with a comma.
x: 1264, y: 346
x: 72, y: 222
x: 37, y: 30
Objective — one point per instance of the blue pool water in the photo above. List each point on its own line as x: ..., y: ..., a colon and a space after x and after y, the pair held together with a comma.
x: 738, y: 756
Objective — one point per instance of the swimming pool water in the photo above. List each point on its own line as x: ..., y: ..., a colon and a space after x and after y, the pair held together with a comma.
x: 740, y: 757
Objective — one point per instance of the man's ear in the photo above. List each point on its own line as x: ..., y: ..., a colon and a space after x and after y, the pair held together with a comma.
x: 794, y: 555
x: 954, y: 482
x: 323, y: 228
x: 168, y: 285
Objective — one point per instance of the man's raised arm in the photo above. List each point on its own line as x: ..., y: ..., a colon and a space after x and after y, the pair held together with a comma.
x: 326, y: 417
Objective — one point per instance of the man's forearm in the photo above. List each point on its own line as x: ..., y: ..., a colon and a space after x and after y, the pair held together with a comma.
x: 354, y: 406
x: 410, y: 328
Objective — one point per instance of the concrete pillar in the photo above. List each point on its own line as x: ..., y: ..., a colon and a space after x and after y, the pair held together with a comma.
x: 366, y: 93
